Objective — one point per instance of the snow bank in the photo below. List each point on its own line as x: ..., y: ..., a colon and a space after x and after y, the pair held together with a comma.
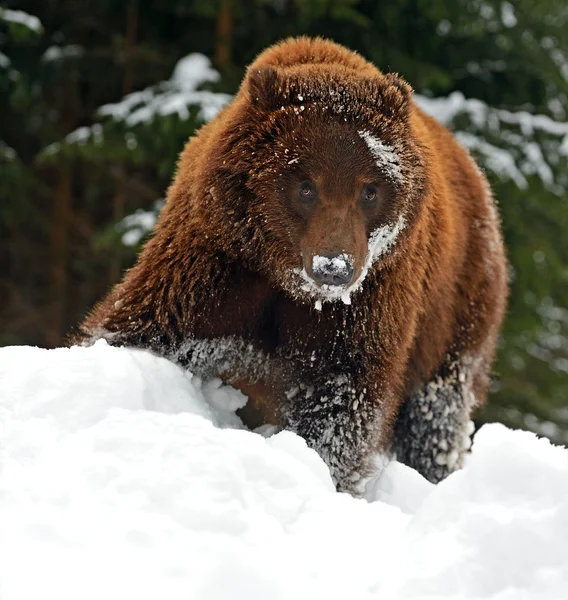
x: 124, y: 477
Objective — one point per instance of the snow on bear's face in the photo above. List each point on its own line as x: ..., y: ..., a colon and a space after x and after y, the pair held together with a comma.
x: 332, y: 176
x: 342, y: 208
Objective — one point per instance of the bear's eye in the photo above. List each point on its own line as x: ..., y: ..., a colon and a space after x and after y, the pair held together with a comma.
x: 369, y: 195
x: 307, y: 192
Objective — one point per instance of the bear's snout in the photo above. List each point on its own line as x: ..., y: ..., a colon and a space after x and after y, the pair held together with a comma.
x: 336, y: 269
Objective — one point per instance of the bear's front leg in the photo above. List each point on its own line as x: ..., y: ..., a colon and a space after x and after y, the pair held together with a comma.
x: 337, y: 417
x: 433, y: 429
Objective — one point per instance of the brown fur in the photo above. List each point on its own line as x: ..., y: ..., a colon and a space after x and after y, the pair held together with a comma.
x: 233, y: 236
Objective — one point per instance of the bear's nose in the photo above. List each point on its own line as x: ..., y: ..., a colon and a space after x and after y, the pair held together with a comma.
x: 336, y: 269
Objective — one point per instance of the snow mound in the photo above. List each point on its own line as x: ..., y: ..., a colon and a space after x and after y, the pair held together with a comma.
x: 122, y: 476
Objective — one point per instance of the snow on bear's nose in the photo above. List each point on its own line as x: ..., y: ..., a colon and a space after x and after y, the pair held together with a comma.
x: 336, y: 269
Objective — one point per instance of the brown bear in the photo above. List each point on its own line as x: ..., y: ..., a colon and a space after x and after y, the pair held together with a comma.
x: 332, y: 251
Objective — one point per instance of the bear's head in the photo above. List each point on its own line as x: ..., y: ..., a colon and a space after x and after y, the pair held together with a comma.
x: 327, y: 173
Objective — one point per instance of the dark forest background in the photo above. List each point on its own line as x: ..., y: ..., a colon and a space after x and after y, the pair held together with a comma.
x: 98, y: 97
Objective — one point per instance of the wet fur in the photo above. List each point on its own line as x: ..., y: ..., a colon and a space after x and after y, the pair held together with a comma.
x: 353, y: 380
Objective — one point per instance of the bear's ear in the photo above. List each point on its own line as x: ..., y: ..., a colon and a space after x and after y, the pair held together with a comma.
x: 400, y: 84
x: 396, y: 94
x: 263, y: 86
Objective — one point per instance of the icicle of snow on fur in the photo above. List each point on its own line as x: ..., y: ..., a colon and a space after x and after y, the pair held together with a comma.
x: 322, y: 293
x: 386, y: 157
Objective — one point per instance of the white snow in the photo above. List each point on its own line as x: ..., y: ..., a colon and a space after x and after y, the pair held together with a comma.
x: 446, y: 108
x: 386, y: 156
x: 124, y: 477
x: 81, y: 136
x: 380, y: 242
x: 22, y: 18
x: 193, y: 70
x: 7, y: 152
x: 518, y: 147
x: 174, y: 96
x: 508, y: 16
x: 136, y: 225
x: 337, y: 265
x: 56, y: 53
x: 5, y: 62
x: 498, y: 160
x: 324, y: 292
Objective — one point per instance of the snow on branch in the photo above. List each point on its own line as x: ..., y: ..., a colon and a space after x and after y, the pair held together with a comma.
x: 21, y: 18
x: 135, y: 226
x: 80, y: 136
x: 513, y: 145
x: 58, y: 53
x: 173, y: 96
x: 178, y: 95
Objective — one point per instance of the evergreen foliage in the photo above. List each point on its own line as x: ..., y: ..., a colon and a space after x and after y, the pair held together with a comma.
x: 98, y: 98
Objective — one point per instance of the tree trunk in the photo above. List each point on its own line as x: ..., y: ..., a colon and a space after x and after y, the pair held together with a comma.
x: 224, y: 33
x: 129, y: 45
x: 59, y: 243
x: 118, y: 209
x: 119, y: 198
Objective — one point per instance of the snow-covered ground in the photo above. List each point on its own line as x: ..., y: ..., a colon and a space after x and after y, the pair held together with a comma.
x: 124, y: 477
